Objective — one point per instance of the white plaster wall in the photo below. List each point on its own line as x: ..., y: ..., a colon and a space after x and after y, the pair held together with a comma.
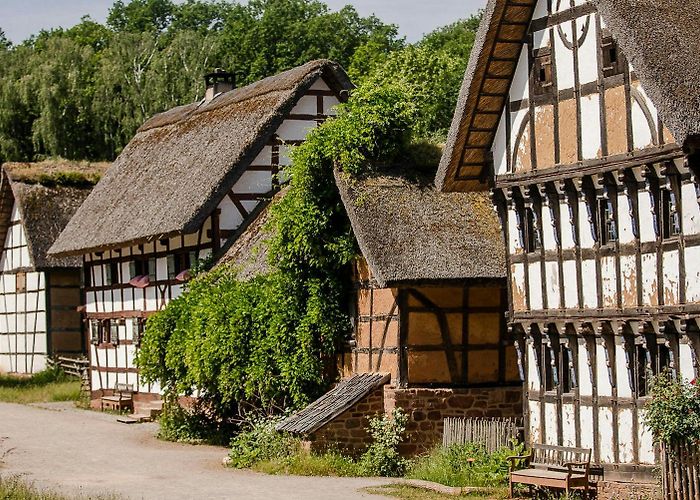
x: 589, y: 284
x: 646, y: 442
x: 671, y: 277
x: 570, y: 284
x: 499, y: 148
x: 534, y: 408
x: 568, y: 425
x: 551, y: 416
x: 520, y: 88
x: 587, y: 54
x: 605, y: 432
x: 584, y: 373
x: 535, y: 277
x: 553, y: 297
x: 603, y: 385
x: 686, y: 362
x: 587, y: 430
x: 564, y: 57
x: 625, y: 435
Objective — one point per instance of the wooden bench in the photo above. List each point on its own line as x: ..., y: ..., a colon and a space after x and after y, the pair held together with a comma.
x: 121, y: 399
x: 553, y: 467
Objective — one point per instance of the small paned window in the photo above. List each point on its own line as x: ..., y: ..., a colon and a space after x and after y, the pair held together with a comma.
x: 151, y: 269
x: 532, y: 239
x: 21, y: 282
x: 568, y: 372
x: 542, y: 72
x: 138, y: 327
x: 95, y: 331
x: 112, y: 273
x: 178, y: 263
x: 114, y: 332
x: 607, y: 224
x: 551, y: 379
x: 612, y: 60
x: 642, y: 370
x: 670, y: 214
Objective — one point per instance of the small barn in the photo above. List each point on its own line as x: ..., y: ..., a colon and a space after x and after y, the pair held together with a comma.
x: 182, y: 191
x: 40, y: 294
x: 428, y: 309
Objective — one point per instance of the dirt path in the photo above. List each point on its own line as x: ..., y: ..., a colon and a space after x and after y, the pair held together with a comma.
x: 75, y: 451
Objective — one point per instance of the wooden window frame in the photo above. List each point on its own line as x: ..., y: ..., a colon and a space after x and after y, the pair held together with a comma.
x: 542, y: 72
x: 532, y: 237
x: 567, y: 370
x: 613, y: 61
x: 607, y: 227
x: 670, y: 216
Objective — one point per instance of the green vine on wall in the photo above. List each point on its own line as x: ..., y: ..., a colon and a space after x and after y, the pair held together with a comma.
x: 272, y: 340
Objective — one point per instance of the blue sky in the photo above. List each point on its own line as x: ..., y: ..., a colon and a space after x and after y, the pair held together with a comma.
x: 21, y: 18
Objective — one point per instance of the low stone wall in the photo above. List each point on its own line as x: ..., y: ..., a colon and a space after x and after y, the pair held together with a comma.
x: 613, y: 490
x: 348, y: 432
x: 427, y: 408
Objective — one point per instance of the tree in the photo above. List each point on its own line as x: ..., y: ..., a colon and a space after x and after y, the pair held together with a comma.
x: 5, y: 44
x: 141, y: 16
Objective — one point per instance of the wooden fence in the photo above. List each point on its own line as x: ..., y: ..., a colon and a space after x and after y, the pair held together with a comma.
x: 75, y: 367
x: 492, y: 433
x: 680, y: 471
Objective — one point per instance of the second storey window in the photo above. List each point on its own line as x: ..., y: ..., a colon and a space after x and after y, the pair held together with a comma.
x: 607, y: 223
x: 670, y: 214
x: 612, y: 60
x: 543, y: 78
x: 531, y: 235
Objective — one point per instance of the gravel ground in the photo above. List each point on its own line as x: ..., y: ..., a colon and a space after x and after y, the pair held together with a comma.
x: 75, y: 451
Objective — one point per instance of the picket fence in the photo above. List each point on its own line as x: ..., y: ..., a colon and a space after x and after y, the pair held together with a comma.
x: 492, y: 433
x: 680, y: 471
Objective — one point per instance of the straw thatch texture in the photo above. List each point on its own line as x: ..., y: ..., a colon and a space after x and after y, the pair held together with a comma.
x: 413, y: 233
x: 662, y: 41
x: 248, y: 255
x: 181, y: 163
x: 45, y: 211
x: 497, y: 46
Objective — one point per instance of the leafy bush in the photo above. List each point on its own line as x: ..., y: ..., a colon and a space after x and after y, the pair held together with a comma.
x: 382, y: 457
x: 191, y: 425
x: 259, y: 441
x: 44, y: 377
x: 303, y: 463
x: 673, y: 412
x: 450, y: 466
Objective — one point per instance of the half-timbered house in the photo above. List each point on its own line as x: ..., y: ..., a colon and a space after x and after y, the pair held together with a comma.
x: 182, y: 190
x: 39, y: 294
x: 428, y: 307
x: 584, y: 118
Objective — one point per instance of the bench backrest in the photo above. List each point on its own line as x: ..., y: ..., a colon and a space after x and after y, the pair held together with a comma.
x: 543, y: 454
x: 124, y: 389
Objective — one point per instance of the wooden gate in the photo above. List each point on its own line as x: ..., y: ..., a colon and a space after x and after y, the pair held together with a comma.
x: 492, y: 433
x: 680, y: 474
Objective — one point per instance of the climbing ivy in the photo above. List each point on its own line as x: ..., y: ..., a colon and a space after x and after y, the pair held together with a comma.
x: 272, y: 341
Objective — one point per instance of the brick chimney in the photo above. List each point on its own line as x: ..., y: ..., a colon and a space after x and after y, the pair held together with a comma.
x: 218, y: 82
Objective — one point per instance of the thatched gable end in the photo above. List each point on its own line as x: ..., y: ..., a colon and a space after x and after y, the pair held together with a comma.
x: 411, y: 233
x: 47, y: 195
x: 182, y: 162
x: 662, y: 42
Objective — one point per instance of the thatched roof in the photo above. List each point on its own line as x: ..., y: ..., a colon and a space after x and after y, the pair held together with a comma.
x: 662, y: 41
x: 248, y: 255
x: 660, y: 38
x: 410, y: 232
x: 47, y: 194
x: 334, y: 403
x: 181, y: 163
x: 492, y: 64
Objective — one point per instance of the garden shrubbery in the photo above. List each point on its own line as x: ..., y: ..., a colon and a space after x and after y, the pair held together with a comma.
x: 673, y: 412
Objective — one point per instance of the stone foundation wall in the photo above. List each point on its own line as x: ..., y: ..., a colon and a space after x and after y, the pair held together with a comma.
x: 427, y: 408
x: 613, y: 490
x: 348, y: 431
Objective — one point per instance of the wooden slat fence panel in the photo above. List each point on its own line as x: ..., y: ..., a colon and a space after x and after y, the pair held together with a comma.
x: 680, y: 471
x: 75, y: 367
x: 491, y: 433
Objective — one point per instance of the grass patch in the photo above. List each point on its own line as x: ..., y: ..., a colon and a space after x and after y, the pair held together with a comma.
x: 453, y: 466
x: 305, y: 464
x: 410, y: 493
x: 14, y: 488
x: 46, y: 386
